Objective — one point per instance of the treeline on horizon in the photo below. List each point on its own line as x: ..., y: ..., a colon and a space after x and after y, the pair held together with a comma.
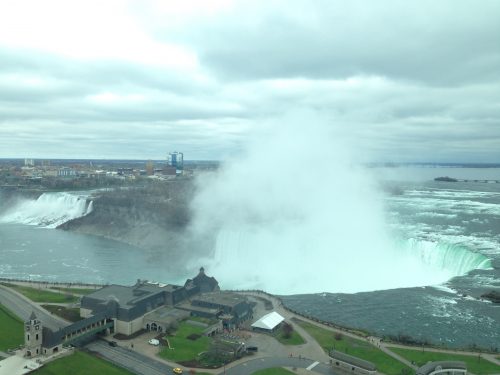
x: 194, y: 163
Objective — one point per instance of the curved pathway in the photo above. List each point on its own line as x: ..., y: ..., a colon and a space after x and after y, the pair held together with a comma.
x: 251, y: 366
x: 375, y: 341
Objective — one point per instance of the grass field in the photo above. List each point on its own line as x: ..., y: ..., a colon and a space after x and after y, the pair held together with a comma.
x: 474, y: 364
x: 273, y: 371
x: 81, y: 291
x: 294, y: 339
x: 11, y: 328
x: 81, y: 363
x: 357, y: 348
x: 43, y: 295
x: 185, y: 349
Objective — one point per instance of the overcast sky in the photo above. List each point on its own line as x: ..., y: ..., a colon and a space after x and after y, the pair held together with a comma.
x: 402, y: 80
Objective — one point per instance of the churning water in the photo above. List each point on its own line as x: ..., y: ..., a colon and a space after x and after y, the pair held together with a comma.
x: 442, y: 253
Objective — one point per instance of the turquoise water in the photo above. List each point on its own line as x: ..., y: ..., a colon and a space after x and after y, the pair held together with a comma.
x: 453, y: 226
x: 31, y: 252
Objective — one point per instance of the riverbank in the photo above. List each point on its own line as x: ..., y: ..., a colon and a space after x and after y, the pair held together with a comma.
x: 276, y: 301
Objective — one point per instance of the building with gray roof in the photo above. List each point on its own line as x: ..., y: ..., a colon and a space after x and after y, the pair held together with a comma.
x: 355, y: 365
x: 128, y: 305
x: 444, y: 368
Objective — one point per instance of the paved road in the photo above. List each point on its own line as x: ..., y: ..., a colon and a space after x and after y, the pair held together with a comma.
x: 22, y: 307
x: 132, y: 361
x: 254, y: 365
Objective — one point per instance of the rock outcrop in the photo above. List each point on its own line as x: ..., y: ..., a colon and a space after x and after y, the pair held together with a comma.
x: 150, y: 217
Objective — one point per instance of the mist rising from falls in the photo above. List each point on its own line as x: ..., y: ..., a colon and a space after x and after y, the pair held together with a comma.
x: 294, y: 214
x: 49, y: 210
x: 306, y: 268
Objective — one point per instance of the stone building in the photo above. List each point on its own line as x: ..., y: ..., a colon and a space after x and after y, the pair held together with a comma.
x: 349, y: 363
x: 149, y: 306
x: 33, y: 336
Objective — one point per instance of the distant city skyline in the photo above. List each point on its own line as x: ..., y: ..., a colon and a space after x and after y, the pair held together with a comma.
x: 414, y: 81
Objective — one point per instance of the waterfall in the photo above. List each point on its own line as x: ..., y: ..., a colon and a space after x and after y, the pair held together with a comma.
x: 49, y: 210
x: 295, y: 264
x: 454, y: 258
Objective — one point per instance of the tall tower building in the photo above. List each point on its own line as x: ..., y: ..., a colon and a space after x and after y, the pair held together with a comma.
x: 176, y: 159
x: 33, y: 336
x: 150, y: 168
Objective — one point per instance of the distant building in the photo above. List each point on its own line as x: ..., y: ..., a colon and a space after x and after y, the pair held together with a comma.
x: 66, y: 172
x: 150, y: 168
x: 176, y: 159
x: 169, y: 171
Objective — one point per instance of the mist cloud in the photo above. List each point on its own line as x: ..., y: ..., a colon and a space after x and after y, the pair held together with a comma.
x: 294, y: 214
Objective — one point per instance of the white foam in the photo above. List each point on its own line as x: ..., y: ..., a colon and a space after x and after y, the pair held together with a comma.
x: 444, y: 288
x: 49, y: 210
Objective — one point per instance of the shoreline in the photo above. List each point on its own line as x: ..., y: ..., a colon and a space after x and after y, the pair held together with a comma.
x: 358, y: 333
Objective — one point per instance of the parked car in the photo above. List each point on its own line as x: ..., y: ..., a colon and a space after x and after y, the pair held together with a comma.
x: 112, y: 343
x: 154, y: 342
x: 177, y: 370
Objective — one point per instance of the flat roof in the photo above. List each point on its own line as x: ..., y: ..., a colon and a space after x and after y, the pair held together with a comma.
x: 166, y: 314
x: 187, y: 306
x: 355, y: 361
x: 221, y: 298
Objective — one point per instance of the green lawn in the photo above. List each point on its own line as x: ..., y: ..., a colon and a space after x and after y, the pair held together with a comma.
x: 474, y: 364
x: 80, y: 363
x: 81, y: 291
x: 43, y: 295
x: 273, y: 371
x: 294, y: 339
x: 184, y: 349
x: 357, y: 348
x: 11, y: 328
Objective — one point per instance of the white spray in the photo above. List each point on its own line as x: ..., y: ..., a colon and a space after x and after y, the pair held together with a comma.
x: 293, y: 214
x: 49, y: 210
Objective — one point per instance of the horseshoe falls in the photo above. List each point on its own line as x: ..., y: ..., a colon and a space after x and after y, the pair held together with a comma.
x: 409, y: 263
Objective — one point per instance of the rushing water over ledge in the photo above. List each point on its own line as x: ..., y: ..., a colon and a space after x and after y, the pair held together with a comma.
x: 461, y: 221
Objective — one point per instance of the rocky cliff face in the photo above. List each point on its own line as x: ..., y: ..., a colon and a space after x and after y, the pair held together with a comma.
x: 150, y: 217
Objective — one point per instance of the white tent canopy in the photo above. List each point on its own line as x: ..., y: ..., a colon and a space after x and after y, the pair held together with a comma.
x: 268, y: 321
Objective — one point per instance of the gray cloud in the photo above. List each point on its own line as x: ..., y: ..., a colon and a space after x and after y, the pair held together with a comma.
x: 405, y: 81
x: 444, y: 42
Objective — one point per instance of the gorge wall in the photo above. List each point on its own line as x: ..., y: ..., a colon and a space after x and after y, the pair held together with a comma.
x: 154, y: 216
